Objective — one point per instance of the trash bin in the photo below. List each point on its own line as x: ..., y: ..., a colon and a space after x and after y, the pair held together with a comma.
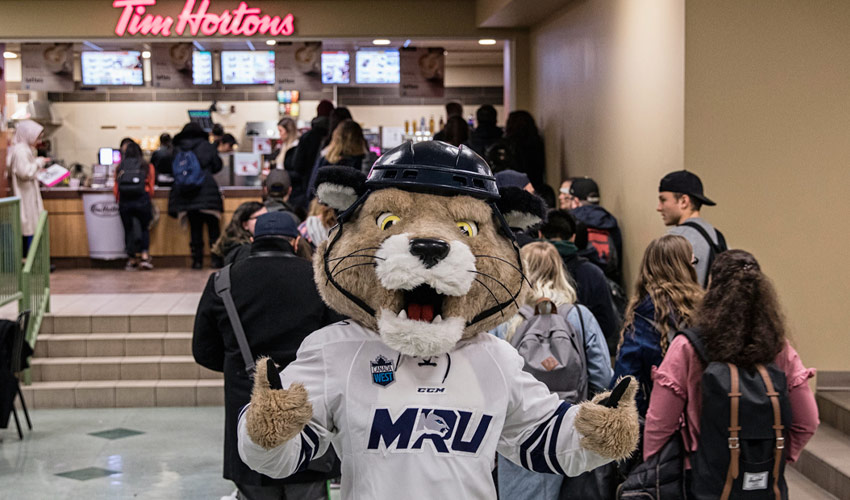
x: 103, y: 225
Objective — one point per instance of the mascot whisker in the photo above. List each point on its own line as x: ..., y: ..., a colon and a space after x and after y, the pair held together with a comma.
x: 423, y: 262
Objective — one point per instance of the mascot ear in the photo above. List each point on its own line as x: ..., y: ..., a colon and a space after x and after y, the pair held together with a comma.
x: 520, y: 208
x: 339, y: 187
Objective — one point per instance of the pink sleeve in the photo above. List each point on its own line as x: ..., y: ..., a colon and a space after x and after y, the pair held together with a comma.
x: 669, y: 396
x: 804, y: 409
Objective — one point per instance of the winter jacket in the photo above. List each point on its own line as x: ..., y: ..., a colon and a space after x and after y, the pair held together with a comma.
x: 483, y: 137
x: 208, y: 197
x: 640, y: 352
x: 596, y: 217
x: 162, y: 160
x: 306, y: 154
x: 592, y: 291
x: 278, y: 306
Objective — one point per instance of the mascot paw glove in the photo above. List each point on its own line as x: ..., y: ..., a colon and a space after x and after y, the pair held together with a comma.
x: 611, y: 431
x: 276, y: 415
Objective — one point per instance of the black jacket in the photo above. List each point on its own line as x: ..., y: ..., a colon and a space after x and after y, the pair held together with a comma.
x: 278, y: 306
x: 483, y: 137
x: 208, y: 197
x: 161, y: 160
x: 305, y: 157
x: 594, y: 216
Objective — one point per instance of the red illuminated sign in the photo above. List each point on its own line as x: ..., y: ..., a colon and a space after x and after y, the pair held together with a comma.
x: 243, y: 20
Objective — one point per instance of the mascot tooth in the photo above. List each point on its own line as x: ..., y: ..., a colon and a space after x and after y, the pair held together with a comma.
x: 411, y: 391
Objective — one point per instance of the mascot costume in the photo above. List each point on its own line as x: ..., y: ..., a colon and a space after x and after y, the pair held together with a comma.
x: 412, y: 392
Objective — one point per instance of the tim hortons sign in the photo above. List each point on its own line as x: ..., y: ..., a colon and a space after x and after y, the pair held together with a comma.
x: 241, y: 21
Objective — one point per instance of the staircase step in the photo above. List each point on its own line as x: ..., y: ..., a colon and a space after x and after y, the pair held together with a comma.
x: 113, y: 344
x: 826, y: 461
x: 123, y: 323
x: 801, y: 488
x: 834, y: 409
x: 124, y: 393
x: 107, y: 368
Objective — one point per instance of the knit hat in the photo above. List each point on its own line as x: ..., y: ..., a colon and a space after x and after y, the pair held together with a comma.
x: 275, y: 224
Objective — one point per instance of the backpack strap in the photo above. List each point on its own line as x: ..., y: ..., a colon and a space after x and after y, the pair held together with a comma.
x: 695, y: 339
x: 701, y: 230
x: 777, y: 427
x: 221, y: 282
x: 734, y: 428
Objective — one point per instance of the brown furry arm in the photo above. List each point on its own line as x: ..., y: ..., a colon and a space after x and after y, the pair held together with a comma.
x: 610, y: 432
x: 275, y: 415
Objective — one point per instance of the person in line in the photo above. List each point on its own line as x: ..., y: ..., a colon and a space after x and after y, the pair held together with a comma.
x: 239, y: 232
x: 525, y: 147
x: 591, y: 286
x: 124, y: 142
x: 285, y: 153
x: 665, y: 300
x: 161, y: 160
x: 226, y: 144
x: 456, y: 131
x: 133, y: 190
x: 270, y: 281
x: 315, y: 228
x: 680, y: 198
x: 217, y: 134
x: 453, y: 108
x: 347, y: 148
x: 565, y: 199
x: 308, y: 149
x: 487, y: 132
x: 199, y: 206
x: 23, y: 166
x: 740, y: 321
x: 605, y: 247
x: 549, y: 279
x: 338, y: 115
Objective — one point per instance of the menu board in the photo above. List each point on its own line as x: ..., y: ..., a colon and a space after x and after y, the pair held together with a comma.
x: 299, y: 66
x: 202, y: 73
x: 247, y: 67
x: 48, y: 66
x: 377, y: 67
x: 335, y: 67
x: 179, y: 65
x: 422, y: 72
x: 112, y: 68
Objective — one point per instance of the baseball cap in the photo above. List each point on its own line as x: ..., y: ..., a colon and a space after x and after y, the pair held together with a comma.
x: 585, y: 189
x: 511, y: 178
x: 278, y: 181
x: 275, y: 224
x: 684, y: 182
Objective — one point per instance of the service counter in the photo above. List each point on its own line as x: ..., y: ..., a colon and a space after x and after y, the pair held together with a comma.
x: 68, y: 230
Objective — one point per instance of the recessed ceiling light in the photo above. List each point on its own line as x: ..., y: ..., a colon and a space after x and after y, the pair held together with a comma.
x: 380, y: 41
x: 271, y: 42
x: 10, y: 55
x: 146, y: 54
x: 486, y: 41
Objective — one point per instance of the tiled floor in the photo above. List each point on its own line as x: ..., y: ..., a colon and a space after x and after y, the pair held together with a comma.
x: 118, y: 281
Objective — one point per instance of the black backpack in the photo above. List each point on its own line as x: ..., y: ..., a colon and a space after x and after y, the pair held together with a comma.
x: 745, y: 414
x: 132, y: 175
x: 714, y: 249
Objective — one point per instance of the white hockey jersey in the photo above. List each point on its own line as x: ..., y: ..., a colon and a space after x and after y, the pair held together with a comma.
x: 408, y: 427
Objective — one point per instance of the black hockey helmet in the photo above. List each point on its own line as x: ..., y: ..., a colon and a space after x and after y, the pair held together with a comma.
x: 434, y: 167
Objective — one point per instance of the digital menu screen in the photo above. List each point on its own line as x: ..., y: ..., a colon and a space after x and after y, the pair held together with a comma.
x: 202, y: 73
x: 377, y: 67
x: 335, y: 67
x: 247, y: 67
x: 112, y: 68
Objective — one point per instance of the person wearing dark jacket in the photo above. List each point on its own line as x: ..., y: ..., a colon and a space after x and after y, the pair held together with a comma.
x: 278, y: 306
x: 487, y: 132
x: 602, y: 228
x: 308, y: 150
x: 521, y: 148
x: 591, y: 286
x: 202, y: 205
x: 161, y: 160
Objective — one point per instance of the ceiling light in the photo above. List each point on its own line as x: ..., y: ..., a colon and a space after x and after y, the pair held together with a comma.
x: 380, y: 41
x: 486, y: 41
x: 146, y: 54
x: 271, y: 42
x: 10, y: 55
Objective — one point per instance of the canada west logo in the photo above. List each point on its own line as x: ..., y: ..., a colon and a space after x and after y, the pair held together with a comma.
x: 447, y: 431
x: 383, y: 372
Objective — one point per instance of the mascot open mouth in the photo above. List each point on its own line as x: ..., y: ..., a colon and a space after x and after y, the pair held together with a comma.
x: 423, y: 303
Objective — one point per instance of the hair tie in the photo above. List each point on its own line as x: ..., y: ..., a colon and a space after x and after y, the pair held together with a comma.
x: 747, y: 267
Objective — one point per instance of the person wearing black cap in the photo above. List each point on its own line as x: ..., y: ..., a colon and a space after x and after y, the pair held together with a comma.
x: 604, y: 240
x: 227, y: 143
x: 278, y: 306
x: 680, y: 198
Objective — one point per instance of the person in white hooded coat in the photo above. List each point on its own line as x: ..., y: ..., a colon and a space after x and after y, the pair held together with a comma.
x: 23, y: 166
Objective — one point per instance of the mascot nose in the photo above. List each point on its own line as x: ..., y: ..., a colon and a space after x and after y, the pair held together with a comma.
x: 429, y: 251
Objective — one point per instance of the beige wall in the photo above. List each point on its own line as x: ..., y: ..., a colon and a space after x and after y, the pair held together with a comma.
x: 608, y: 94
x: 767, y: 118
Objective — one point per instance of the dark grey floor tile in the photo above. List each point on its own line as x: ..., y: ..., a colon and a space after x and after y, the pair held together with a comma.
x: 88, y: 473
x: 116, y: 433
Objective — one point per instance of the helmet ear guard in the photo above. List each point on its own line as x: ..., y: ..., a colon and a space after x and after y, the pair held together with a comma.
x: 520, y: 208
x: 339, y: 187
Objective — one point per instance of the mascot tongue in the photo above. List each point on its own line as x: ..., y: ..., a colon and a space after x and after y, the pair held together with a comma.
x: 420, y: 312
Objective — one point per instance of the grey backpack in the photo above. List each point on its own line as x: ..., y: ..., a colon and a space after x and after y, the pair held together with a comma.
x: 553, y: 351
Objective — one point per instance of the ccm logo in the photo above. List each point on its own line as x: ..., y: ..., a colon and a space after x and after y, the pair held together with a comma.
x: 431, y: 390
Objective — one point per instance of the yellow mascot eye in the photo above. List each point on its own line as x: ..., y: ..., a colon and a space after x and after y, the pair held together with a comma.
x: 468, y: 228
x: 386, y: 220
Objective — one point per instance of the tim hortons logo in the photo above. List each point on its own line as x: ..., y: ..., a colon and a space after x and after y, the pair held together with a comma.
x: 243, y: 20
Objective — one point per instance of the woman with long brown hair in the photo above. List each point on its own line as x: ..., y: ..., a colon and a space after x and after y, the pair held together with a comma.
x: 666, y: 295
x: 347, y: 148
x: 740, y: 322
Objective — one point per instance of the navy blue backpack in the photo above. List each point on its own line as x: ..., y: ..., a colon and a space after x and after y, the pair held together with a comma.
x: 186, y: 170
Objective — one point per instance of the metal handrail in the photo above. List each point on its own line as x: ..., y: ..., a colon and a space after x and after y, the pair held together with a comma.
x: 36, y: 279
x: 11, y: 249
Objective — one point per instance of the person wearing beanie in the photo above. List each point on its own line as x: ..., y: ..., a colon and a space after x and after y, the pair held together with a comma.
x: 308, y: 151
x: 680, y: 198
x: 278, y: 306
